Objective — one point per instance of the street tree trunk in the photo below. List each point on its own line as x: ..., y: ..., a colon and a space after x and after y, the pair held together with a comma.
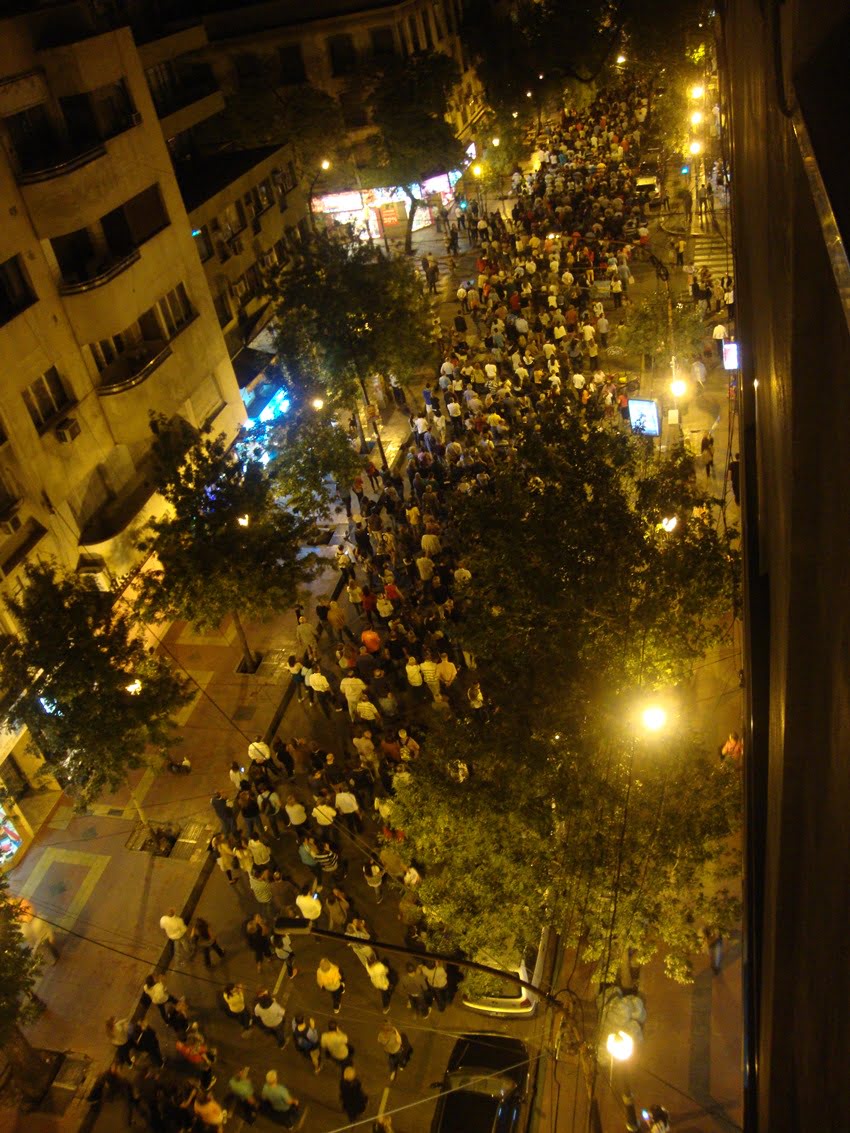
x: 31, y: 1070
x: 378, y: 440
x: 249, y: 658
x: 408, y: 236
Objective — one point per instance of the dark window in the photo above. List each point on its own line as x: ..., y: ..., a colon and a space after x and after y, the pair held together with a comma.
x: 343, y: 55
x: 33, y: 137
x: 254, y: 280
x: 203, y: 242
x: 46, y: 398
x: 222, y: 309
x: 248, y: 65
x: 75, y: 255
x: 16, y: 293
x: 137, y: 220
x: 175, y: 309
x: 353, y: 112
x: 383, y: 42
x: 112, y: 108
x: 440, y: 21
x: 80, y: 120
x: 426, y: 27
x: 292, y: 69
x: 413, y: 33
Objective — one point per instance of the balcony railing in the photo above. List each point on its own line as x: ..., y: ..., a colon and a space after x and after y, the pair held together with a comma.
x: 87, y: 279
x: 133, y: 367
x: 55, y: 156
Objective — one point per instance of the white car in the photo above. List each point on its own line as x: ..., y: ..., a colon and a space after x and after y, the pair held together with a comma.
x: 513, y: 1000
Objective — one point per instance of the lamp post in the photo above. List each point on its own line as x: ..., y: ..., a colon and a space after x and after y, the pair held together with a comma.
x: 621, y: 1047
x: 324, y: 166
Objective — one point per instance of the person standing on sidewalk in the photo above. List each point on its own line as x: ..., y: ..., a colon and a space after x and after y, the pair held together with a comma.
x: 177, y: 931
x: 155, y: 992
x: 334, y: 1044
x: 352, y: 1097
x: 437, y: 979
x: 307, y: 639
x: 306, y: 1039
x: 415, y: 987
x: 374, y: 875
x: 224, y: 812
x: 233, y: 998
x: 329, y: 978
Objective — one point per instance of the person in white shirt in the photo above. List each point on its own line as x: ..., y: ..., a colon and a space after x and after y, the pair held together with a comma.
x: 295, y: 812
x: 177, y: 931
x: 334, y: 1043
x: 308, y: 903
x: 258, y: 751
x: 271, y: 1017
x: 352, y: 688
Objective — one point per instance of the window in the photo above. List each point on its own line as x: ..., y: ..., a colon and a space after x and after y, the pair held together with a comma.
x: 412, y: 33
x: 426, y: 27
x: 254, y: 280
x: 383, y: 42
x: 292, y: 68
x: 265, y: 194
x: 134, y: 222
x: 46, y: 398
x: 222, y: 308
x: 248, y: 65
x: 440, y: 21
x: 343, y: 55
x: 203, y: 243
x: 16, y: 293
x: 175, y: 310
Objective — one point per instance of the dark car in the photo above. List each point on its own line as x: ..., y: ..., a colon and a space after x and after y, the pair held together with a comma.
x: 484, y: 1087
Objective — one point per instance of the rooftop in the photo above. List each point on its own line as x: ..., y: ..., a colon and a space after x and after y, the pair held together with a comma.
x: 202, y: 178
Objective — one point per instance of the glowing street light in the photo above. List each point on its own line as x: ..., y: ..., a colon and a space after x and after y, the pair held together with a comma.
x: 621, y: 59
x: 317, y: 403
x: 696, y: 118
x: 477, y: 170
x: 695, y: 148
x: 678, y: 388
x: 326, y: 165
x: 620, y: 1046
x: 654, y: 718
x: 515, y: 114
x: 669, y: 523
x: 135, y: 687
x: 496, y: 142
x: 528, y: 94
x: 698, y: 91
x: 243, y: 520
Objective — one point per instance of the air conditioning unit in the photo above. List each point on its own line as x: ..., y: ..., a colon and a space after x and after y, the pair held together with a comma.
x: 10, y: 524
x: 67, y: 429
x: 135, y: 118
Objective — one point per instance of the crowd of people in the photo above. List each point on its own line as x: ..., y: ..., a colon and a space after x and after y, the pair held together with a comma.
x: 529, y: 338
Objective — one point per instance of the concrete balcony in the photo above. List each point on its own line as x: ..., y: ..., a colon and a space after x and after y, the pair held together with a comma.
x: 84, y: 185
x: 198, y: 106
x: 163, y: 48
x: 88, y: 278
x: 133, y: 367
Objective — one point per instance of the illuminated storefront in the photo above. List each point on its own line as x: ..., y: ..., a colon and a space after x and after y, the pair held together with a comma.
x: 376, y: 213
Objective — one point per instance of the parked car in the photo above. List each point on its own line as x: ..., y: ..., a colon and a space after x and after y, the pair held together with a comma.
x: 484, y: 1088
x: 504, y: 998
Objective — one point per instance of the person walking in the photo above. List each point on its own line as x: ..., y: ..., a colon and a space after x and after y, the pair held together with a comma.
x: 351, y: 1094
x: 233, y: 998
x: 735, y: 478
x: 307, y: 639
x: 437, y: 979
x: 308, y: 903
x: 329, y: 978
x: 146, y: 1042
x: 415, y: 987
x: 258, y: 936
x: 396, y: 1046
x: 306, y: 1039
x: 279, y: 1100
x: 334, y: 1044
x: 270, y: 1016
x: 177, y: 931
x: 282, y: 946
x: 224, y: 857
x: 707, y: 454
x: 382, y: 980
x: 119, y: 1033
x: 155, y: 991
x: 241, y: 1088
x: 374, y: 874
x: 204, y: 938
x: 224, y: 812
x: 365, y: 953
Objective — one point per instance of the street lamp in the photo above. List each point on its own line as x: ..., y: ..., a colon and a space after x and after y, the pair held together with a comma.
x: 514, y: 114
x: 476, y: 170
x: 697, y: 92
x: 135, y: 687
x: 696, y: 118
x: 678, y: 388
x: 695, y: 148
x: 654, y: 718
x: 243, y: 520
x: 528, y: 94
x: 669, y: 523
x: 496, y: 142
x: 326, y: 165
x: 317, y: 403
x: 620, y: 1046
x: 621, y: 60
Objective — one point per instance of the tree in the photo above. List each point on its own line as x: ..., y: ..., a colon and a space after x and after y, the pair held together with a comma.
x: 659, y: 330
x: 582, y: 604
x: 31, y: 1070
x: 78, y: 676
x: 344, y: 312
x: 408, y: 99
x: 226, y: 546
x: 310, y: 453
x: 261, y: 112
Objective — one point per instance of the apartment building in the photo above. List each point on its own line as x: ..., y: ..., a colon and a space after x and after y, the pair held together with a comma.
x: 326, y: 42
x: 128, y: 278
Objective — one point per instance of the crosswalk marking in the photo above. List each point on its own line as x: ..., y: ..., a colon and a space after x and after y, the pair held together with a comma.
x: 713, y: 252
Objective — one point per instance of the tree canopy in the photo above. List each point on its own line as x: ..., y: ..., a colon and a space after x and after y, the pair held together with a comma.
x: 582, y: 605
x: 226, y: 545
x: 408, y: 100
x: 344, y: 312
x: 660, y: 334
x: 80, y: 678
x: 18, y: 967
x: 311, y: 454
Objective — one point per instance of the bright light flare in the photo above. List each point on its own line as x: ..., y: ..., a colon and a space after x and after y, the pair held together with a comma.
x: 496, y: 142
x: 695, y: 148
x: 696, y: 118
x: 317, y: 403
x: 326, y: 165
x: 698, y: 91
x: 678, y: 388
x: 477, y: 171
x: 620, y: 1046
x: 243, y: 520
x: 670, y: 523
x: 135, y: 687
x: 621, y: 59
x: 654, y: 718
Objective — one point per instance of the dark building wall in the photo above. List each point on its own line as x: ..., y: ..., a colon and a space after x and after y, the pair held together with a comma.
x: 793, y: 328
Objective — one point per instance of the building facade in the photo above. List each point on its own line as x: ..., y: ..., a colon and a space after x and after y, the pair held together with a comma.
x: 128, y: 281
